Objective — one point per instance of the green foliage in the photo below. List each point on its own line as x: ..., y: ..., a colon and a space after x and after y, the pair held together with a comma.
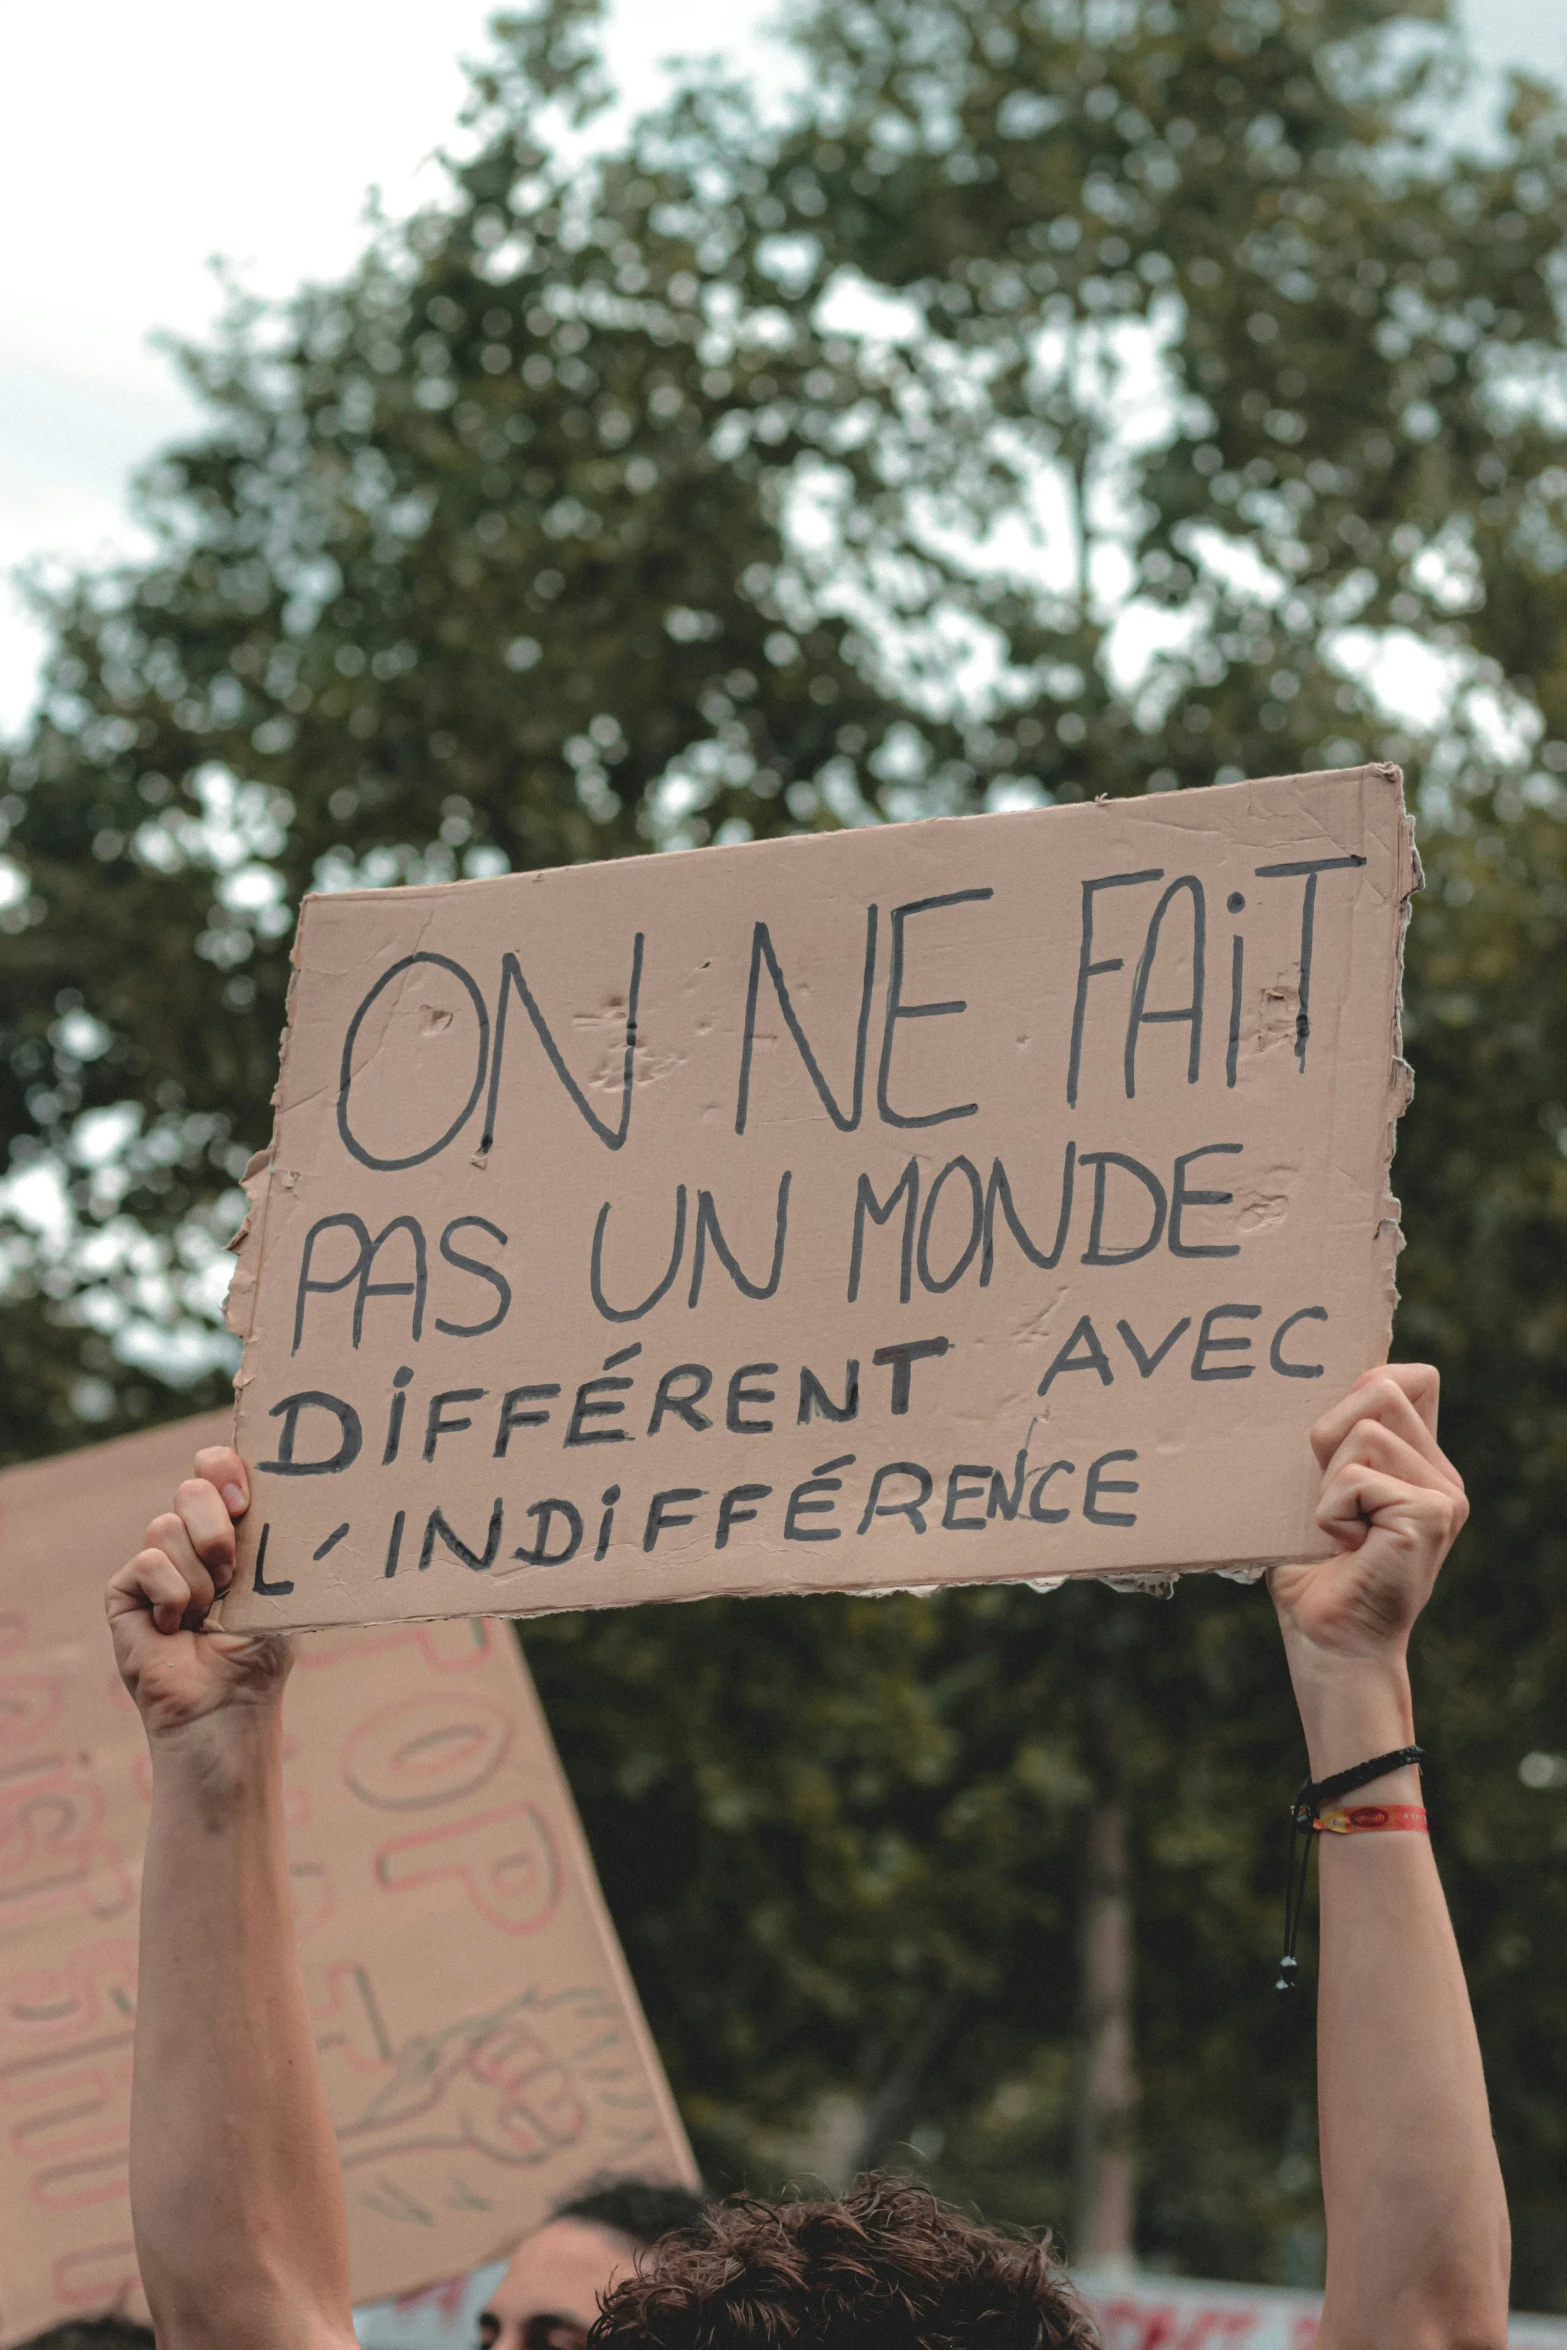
x: 1061, y: 399
x: 868, y: 1813
x: 1483, y: 1168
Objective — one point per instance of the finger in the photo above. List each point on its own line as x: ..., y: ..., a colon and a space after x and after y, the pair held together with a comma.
x: 1338, y: 1512
x: 206, y: 1519
x: 1422, y: 1383
x: 1376, y: 1395
x: 149, y: 1584
x: 1349, y: 1502
x: 1359, y: 1499
x: 221, y: 1466
x: 1378, y: 1446
x: 168, y: 1535
x: 1380, y: 1395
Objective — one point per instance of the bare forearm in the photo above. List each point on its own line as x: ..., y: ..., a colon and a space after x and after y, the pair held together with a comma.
x: 235, y: 2188
x: 1417, y: 2222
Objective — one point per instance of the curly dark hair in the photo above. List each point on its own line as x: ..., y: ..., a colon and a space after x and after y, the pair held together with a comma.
x: 641, y: 2209
x: 885, y: 2267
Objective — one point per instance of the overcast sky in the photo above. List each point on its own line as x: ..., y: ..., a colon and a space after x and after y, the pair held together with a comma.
x: 138, y: 142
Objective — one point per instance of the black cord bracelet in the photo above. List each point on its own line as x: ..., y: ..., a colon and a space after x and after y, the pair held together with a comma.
x: 1314, y: 1794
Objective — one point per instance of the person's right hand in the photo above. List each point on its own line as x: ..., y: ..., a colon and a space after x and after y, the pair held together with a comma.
x: 157, y: 1605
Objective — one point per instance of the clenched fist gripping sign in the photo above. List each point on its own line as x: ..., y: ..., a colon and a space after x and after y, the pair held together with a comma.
x: 938, y: 1203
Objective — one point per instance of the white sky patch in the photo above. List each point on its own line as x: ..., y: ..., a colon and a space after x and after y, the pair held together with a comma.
x: 36, y: 1198
x: 1448, y: 570
x: 1416, y: 682
x: 852, y: 305
x: 1141, y: 635
x: 158, y: 1301
x: 1043, y: 536
x: 1117, y: 371
x: 1507, y: 726
x: 1435, y: 689
x: 137, y: 143
x: 1235, y: 563
x: 100, y: 1136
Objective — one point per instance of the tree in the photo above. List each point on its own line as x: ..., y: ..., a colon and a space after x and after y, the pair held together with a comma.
x: 1061, y: 399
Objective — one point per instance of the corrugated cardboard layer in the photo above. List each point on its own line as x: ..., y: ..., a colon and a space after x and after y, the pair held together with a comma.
x: 936, y: 1203
x: 482, y: 2046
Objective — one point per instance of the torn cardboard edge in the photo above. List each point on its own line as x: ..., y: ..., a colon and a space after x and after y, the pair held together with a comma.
x: 249, y: 1243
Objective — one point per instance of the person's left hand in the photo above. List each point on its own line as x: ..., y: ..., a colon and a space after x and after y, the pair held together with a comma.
x: 1392, y: 1503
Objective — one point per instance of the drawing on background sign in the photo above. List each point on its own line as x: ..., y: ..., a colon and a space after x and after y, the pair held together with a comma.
x: 53, y: 1844
x: 67, y: 1983
x: 426, y: 1814
x: 930, y: 1203
x: 65, y: 2084
x: 436, y: 2111
x: 493, y: 2084
x: 437, y: 1753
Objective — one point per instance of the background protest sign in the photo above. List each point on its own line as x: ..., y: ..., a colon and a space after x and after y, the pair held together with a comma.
x: 944, y: 1202
x: 1153, y: 2312
x: 481, y: 2042
x: 1133, y: 2311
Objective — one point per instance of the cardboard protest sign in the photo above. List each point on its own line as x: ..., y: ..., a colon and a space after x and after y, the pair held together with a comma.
x: 481, y: 2043
x: 932, y: 1203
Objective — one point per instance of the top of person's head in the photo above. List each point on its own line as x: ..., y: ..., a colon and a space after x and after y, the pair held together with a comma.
x: 640, y: 2209
x: 885, y: 2265
x: 94, y: 2333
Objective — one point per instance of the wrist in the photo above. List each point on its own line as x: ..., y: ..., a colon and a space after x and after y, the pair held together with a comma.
x: 233, y: 1745
x: 1351, y: 1708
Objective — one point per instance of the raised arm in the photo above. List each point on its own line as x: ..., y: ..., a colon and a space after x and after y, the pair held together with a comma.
x: 1417, y: 2222
x: 235, y: 2192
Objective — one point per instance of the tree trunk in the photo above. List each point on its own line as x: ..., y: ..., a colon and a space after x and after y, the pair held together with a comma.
x: 889, y: 2107
x: 1106, y: 2083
